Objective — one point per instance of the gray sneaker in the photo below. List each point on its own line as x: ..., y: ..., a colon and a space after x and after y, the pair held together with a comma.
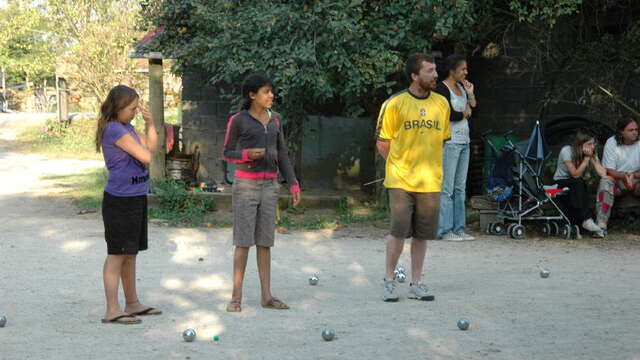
x: 465, y: 237
x: 420, y: 292
x: 451, y: 237
x: 389, y: 290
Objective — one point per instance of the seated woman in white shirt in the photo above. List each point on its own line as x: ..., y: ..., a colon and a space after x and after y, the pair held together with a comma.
x: 573, y: 161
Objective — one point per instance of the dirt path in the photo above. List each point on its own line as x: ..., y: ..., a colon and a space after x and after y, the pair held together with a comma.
x: 51, y: 290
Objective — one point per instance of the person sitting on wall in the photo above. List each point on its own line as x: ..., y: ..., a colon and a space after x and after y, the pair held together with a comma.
x: 573, y: 162
x: 621, y: 159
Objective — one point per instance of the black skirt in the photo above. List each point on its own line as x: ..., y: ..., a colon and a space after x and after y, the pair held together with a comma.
x: 125, y: 223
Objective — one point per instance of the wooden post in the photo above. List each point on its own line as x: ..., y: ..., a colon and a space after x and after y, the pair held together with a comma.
x: 156, y: 105
x: 4, y: 104
x: 4, y: 83
x: 63, y: 98
x: 57, y: 97
x: 45, y: 98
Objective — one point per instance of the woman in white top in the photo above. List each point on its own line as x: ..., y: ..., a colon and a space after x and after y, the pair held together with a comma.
x: 573, y: 162
x: 455, y: 163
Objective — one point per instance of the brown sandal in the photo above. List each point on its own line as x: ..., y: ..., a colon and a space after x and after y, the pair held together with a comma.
x: 276, y: 304
x: 234, y: 306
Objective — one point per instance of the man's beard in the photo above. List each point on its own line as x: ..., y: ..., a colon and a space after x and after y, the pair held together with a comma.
x: 428, y: 85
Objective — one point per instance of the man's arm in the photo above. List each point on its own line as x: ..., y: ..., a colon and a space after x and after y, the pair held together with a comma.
x: 383, y: 146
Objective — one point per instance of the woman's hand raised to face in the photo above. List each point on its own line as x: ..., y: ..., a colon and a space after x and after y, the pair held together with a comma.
x: 146, y: 114
x: 588, y: 150
x: 468, y: 86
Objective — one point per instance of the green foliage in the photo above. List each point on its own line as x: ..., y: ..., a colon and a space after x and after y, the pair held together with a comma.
x: 344, y: 210
x: 329, y: 56
x: 320, y: 222
x: 96, y: 37
x: 345, y: 213
x: 25, y: 49
x: 545, y: 11
x: 575, y: 48
x: 61, y: 139
x: 178, y: 205
x: 323, y: 55
x: 285, y: 221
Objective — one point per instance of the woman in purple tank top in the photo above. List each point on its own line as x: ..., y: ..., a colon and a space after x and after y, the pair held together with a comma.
x: 127, y: 155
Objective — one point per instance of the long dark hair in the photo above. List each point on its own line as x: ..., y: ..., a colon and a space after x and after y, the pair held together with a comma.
x: 119, y: 97
x: 581, y: 137
x: 451, y: 63
x: 251, y: 84
x: 620, y: 125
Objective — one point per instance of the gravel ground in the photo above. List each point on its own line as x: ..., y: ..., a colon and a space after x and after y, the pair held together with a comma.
x: 51, y: 289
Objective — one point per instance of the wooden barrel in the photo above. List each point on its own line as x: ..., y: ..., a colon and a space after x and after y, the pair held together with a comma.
x: 181, y: 168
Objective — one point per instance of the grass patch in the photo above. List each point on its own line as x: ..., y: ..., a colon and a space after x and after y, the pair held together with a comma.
x: 347, y: 212
x: 61, y: 140
x: 75, y: 140
x: 84, y: 189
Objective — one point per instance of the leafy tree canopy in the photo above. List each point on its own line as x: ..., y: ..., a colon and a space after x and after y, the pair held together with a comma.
x: 347, y: 55
x: 26, y: 49
x: 317, y: 52
x: 96, y: 36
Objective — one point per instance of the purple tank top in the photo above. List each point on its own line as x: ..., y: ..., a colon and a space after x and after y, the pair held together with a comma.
x: 127, y: 175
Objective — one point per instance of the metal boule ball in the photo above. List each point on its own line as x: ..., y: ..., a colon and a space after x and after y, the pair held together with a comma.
x: 401, y: 277
x: 328, y: 334
x: 189, y: 335
x: 3, y: 320
x: 463, y: 323
x: 544, y: 273
x: 401, y: 269
x: 313, y: 279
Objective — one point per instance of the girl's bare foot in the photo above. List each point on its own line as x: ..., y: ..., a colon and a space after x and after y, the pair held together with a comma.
x: 234, y: 306
x: 136, y: 308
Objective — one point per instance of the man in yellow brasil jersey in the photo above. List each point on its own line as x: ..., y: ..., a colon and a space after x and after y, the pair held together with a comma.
x: 412, y: 127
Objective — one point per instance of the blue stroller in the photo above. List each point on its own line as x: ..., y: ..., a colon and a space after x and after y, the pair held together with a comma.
x: 515, y: 183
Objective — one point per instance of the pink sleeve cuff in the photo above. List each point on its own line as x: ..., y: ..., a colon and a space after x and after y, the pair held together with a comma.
x: 294, y: 189
x: 245, y: 155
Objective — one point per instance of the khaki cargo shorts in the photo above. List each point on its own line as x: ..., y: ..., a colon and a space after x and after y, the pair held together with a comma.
x: 414, y: 214
x: 254, y: 203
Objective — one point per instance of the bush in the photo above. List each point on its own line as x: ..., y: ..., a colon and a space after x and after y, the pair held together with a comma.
x: 178, y: 205
x: 61, y: 139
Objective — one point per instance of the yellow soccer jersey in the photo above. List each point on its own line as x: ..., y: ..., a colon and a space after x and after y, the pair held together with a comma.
x: 416, y: 129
